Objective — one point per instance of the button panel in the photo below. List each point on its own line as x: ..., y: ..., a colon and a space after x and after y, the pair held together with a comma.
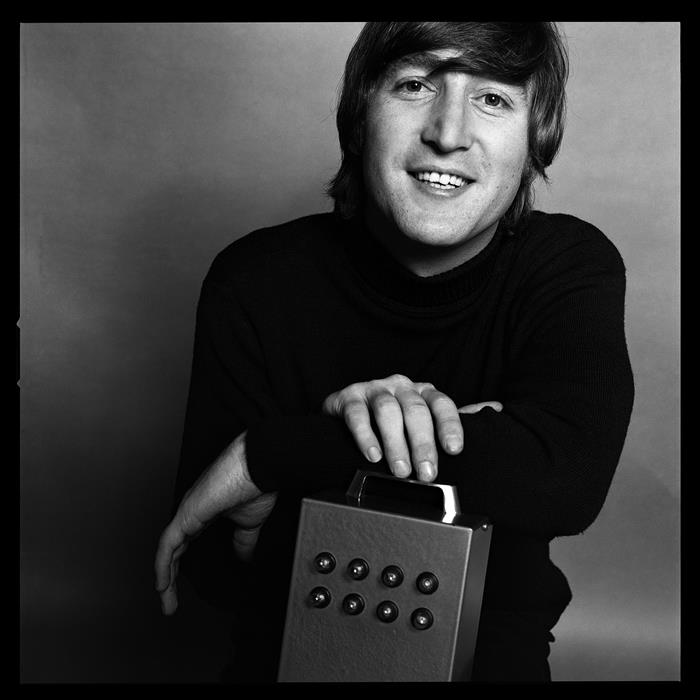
x: 354, y: 603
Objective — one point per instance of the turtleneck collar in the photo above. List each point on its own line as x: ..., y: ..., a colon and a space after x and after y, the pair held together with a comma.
x: 393, y: 281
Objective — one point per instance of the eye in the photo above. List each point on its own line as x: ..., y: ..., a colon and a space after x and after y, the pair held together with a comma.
x: 412, y: 86
x: 493, y: 100
x: 417, y: 88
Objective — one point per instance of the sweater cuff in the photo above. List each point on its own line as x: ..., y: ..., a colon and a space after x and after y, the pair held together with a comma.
x: 303, y: 453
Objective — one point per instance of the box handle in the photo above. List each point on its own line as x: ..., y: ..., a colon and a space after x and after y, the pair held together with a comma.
x: 361, y: 487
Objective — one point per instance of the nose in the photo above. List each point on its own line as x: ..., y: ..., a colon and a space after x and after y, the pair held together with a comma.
x: 448, y: 126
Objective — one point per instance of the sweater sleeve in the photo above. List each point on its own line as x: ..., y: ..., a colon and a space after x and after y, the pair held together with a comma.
x: 228, y: 393
x: 544, y: 464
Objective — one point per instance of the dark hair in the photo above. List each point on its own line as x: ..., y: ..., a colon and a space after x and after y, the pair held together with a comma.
x: 521, y: 53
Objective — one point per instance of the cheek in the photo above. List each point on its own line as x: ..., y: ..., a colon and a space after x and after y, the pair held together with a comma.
x: 375, y: 150
x: 510, y: 166
x: 507, y: 187
x: 389, y: 135
x: 376, y: 159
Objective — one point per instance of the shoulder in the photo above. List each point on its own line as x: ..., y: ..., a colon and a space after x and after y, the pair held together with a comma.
x: 565, y: 240
x: 280, y: 251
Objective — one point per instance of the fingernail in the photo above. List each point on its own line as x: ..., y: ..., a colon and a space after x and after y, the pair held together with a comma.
x: 453, y: 445
x: 374, y: 454
x: 401, y: 468
x: 425, y: 469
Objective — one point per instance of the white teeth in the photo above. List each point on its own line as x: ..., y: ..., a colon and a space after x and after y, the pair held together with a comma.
x: 443, y: 179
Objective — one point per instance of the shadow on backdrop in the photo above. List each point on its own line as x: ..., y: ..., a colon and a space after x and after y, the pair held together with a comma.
x: 88, y: 609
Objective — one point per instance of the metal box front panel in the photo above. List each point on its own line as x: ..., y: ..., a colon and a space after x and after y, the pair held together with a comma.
x: 327, y: 644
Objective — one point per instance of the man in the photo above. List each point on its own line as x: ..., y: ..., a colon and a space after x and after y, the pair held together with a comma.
x: 432, y: 325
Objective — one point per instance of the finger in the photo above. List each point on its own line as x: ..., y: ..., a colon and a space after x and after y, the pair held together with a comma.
x: 170, y: 540
x: 168, y: 600
x: 350, y: 405
x: 332, y: 404
x: 244, y: 541
x: 357, y: 418
x: 166, y: 568
x: 418, y: 422
x: 476, y: 407
x: 392, y: 383
x: 389, y: 419
x: 446, y: 418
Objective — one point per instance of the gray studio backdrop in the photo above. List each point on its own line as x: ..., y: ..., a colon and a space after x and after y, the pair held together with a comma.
x: 145, y: 149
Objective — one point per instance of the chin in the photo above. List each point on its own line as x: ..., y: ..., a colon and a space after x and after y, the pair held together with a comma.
x: 433, y: 234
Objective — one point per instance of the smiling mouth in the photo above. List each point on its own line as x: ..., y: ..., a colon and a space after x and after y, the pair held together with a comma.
x: 441, y: 181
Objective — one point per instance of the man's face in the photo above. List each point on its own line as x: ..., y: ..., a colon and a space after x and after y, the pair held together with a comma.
x: 469, y: 133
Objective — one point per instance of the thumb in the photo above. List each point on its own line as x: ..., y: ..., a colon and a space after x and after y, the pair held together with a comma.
x: 168, y: 600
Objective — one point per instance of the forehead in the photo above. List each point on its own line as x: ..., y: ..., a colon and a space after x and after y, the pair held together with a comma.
x: 430, y: 60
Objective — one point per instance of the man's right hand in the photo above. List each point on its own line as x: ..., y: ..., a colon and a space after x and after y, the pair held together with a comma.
x: 224, y: 489
x: 407, y: 415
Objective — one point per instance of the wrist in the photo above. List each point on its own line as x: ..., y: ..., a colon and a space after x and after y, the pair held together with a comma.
x: 241, y: 458
x: 231, y: 470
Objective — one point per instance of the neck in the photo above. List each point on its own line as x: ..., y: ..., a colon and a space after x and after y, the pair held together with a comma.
x: 427, y: 260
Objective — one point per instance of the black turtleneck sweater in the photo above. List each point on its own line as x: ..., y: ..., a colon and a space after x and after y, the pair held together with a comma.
x: 292, y: 313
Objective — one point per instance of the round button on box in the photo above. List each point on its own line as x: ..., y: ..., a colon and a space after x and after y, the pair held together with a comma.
x: 324, y: 562
x: 392, y: 576
x: 319, y: 597
x: 358, y: 569
x: 387, y: 611
x: 427, y: 583
x: 353, y: 604
x: 422, y: 618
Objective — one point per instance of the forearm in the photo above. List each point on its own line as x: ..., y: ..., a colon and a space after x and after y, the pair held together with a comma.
x: 529, y: 470
x: 543, y: 465
x: 523, y: 468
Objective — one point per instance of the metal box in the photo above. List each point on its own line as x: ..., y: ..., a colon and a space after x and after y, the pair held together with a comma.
x: 386, y: 585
